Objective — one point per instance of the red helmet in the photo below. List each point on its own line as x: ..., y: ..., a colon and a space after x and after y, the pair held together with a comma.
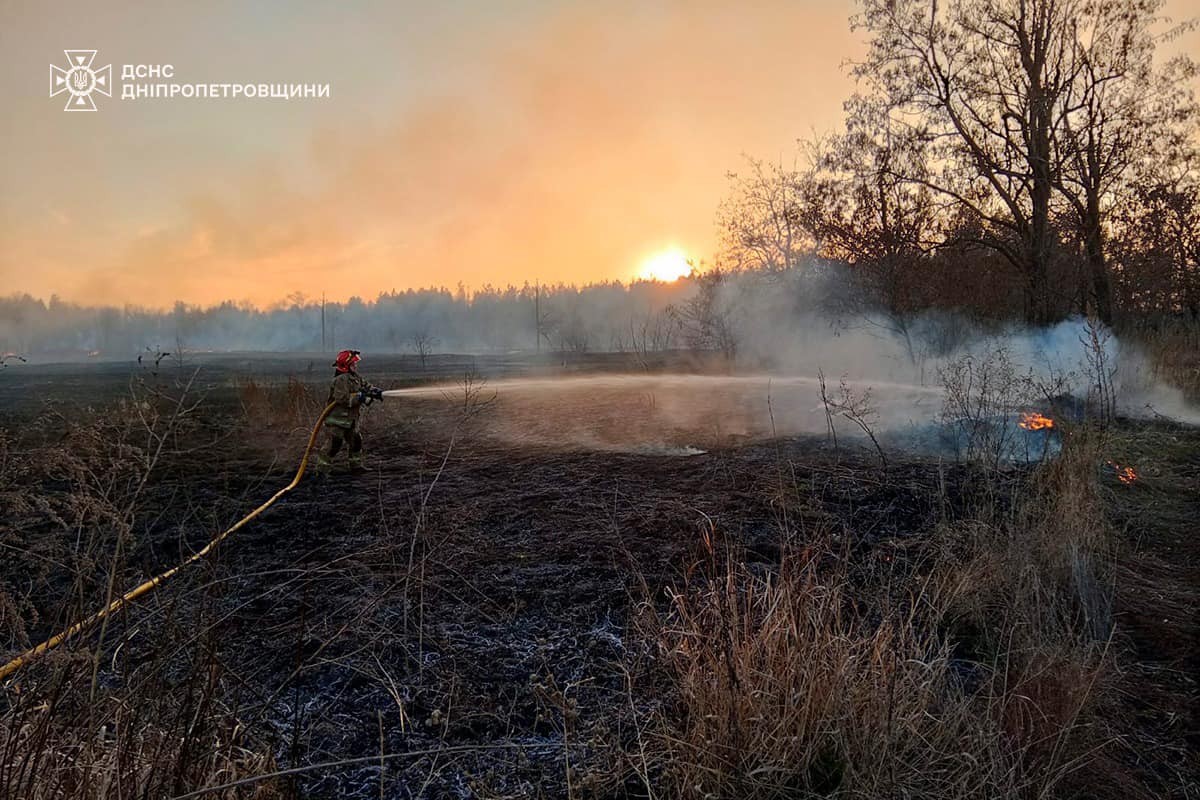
x: 346, y: 360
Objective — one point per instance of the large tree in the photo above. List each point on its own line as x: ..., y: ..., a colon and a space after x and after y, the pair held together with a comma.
x: 1119, y: 110
x: 1035, y: 111
x: 983, y: 81
x: 860, y: 210
x: 1158, y: 242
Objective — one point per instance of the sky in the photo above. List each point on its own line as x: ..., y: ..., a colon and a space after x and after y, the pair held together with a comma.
x: 463, y: 142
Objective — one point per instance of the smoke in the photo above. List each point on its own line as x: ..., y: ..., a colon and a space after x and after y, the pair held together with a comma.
x: 802, y: 322
x: 898, y: 378
x: 596, y: 317
x: 566, y: 140
x: 776, y: 334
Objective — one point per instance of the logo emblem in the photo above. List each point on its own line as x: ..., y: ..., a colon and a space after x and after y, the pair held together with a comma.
x: 79, y: 80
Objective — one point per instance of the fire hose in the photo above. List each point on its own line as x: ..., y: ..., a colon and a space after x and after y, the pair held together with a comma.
x: 153, y: 583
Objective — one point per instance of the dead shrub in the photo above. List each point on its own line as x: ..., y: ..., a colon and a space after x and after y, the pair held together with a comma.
x: 985, y: 673
x: 1172, y: 348
x: 1026, y: 590
x: 981, y: 395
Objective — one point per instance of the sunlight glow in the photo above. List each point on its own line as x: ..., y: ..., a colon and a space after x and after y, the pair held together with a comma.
x: 666, y: 266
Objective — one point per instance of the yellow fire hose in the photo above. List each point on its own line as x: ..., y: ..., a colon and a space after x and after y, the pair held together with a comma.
x: 153, y: 583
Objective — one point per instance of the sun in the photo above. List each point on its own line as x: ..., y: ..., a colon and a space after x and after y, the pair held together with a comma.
x: 666, y: 266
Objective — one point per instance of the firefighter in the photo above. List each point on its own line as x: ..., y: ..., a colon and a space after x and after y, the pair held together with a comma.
x: 350, y: 392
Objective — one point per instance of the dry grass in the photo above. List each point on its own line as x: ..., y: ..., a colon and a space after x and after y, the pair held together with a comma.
x: 784, y: 692
x: 278, y: 406
x: 985, y: 666
x: 1172, y: 347
x: 78, y: 500
x: 982, y: 672
x: 57, y: 740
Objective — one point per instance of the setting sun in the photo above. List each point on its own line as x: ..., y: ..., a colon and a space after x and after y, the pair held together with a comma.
x: 666, y: 266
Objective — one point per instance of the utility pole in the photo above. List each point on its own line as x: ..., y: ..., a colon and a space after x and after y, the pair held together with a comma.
x: 323, y: 348
x: 537, y: 316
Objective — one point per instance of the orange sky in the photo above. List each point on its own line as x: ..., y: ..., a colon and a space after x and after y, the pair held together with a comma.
x: 478, y: 142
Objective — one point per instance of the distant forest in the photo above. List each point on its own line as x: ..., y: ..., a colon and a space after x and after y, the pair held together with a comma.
x: 603, y: 316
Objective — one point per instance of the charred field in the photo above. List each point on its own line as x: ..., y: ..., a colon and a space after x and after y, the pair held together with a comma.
x: 587, y: 596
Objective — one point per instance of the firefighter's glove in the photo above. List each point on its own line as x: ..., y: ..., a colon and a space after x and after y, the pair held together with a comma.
x: 369, y: 393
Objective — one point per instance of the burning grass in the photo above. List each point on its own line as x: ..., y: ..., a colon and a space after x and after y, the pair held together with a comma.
x: 1034, y: 421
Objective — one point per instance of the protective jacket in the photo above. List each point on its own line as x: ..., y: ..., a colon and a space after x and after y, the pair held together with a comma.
x: 345, y: 392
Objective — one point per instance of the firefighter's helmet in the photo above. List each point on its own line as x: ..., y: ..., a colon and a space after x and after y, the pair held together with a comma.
x: 346, y: 360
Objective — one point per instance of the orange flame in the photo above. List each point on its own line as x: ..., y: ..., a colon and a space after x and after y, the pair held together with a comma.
x: 1033, y: 421
x: 1126, y: 475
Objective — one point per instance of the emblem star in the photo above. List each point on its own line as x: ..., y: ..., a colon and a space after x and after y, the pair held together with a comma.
x: 79, y: 80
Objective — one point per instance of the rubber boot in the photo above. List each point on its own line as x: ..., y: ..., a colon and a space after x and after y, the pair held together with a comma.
x: 324, y: 465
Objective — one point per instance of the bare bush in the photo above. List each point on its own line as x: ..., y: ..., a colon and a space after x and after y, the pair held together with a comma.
x: 855, y: 406
x: 707, y: 320
x: 1172, y: 350
x: 982, y: 394
x: 652, y: 332
x: 1102, y: 393
x: 150, y: 742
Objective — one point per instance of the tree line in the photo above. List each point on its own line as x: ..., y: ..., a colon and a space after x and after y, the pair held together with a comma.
x: 1007, y: 157
x: 560, y: 317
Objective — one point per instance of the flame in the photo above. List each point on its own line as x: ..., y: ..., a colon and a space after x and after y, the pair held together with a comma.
x: 1034, y: 421
x: 1126, y: 475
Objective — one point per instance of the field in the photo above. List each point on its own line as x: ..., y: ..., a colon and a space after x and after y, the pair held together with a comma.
x: 600, y: 592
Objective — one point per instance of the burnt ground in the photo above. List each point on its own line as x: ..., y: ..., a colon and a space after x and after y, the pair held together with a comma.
x: 505, y: 621
x: 475, y: 594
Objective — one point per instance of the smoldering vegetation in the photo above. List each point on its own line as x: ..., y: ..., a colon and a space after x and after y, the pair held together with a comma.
x: 731, y: 341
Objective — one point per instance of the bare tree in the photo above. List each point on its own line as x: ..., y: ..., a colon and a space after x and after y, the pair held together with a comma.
x: 423, y: 344
x: 762, y: 221
x: 1118, y: 110
x: 1158, y: 243
x: 548, y: 324
x: 982, y: 81
x: 651, y: 332
x: 860, y: 208
x: 865, y: 215
x: 707, y: 319
x: 573, y: 335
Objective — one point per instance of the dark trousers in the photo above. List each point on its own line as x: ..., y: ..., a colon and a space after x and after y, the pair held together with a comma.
x: 351, y: 437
